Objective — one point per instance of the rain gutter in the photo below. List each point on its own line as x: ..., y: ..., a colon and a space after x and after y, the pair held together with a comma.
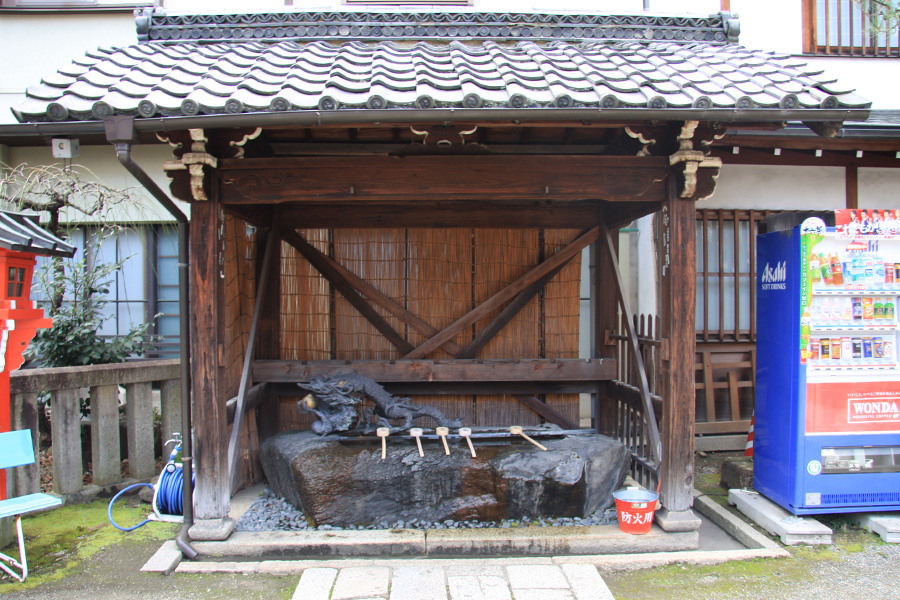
x: 351, y: 117
x: 120, y: 132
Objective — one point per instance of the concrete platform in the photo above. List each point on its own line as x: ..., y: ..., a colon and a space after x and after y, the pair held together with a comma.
x: 886, y: 525
x: 776, y: 520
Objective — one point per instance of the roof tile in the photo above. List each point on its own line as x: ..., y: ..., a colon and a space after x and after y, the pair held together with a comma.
x: 189, y: 78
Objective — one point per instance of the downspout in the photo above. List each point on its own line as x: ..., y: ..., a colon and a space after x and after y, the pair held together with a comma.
x: 120, y: 132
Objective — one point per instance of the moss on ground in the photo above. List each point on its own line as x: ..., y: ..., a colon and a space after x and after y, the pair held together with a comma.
x: 76, y: 548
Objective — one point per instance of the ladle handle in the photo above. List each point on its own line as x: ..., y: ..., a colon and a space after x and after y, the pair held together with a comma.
x: 471, y: 447
x: 534, y: 442
x: 419, y: 444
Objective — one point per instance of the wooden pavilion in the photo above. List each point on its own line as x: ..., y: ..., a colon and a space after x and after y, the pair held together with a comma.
x: 417, y: 212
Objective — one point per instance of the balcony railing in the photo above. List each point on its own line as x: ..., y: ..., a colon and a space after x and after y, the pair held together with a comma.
x: 843, y: 28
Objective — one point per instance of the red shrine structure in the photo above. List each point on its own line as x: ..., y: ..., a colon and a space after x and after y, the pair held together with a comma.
x: 21, y: 240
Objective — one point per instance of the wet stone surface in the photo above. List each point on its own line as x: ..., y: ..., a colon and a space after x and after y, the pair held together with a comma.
x: 349, y: 485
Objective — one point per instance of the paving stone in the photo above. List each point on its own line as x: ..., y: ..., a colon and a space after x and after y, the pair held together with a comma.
x: 475, y: 571
x: 361, y: 582
x: 536, y: 577
x: 544, y: 595
x: 478, y: 587
x: 586, y: 582
x: 418, y: 583
x: 315, y: 584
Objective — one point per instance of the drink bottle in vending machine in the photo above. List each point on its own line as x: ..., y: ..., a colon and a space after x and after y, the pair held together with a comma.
x: 827, y: 420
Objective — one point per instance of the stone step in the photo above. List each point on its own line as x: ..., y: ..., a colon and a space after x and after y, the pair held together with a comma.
x: 517, y: 541
x: 792, y: 529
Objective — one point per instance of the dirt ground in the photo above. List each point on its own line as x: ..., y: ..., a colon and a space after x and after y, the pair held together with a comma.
x: 75, y: 554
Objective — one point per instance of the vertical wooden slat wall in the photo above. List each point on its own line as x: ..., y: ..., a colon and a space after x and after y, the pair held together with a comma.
x: 562, y: 307
x: 439, y: 288
x: 439, y: 275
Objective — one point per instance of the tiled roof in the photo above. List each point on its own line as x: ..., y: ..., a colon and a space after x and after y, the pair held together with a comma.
x: 187, y: 79
x: 156, y: 26
x: 22, y: 233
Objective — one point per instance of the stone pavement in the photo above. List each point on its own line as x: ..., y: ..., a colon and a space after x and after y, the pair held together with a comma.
x: 448, y: 581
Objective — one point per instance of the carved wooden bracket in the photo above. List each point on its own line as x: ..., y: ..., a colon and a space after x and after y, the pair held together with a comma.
x: 194, y: 162
x: 695, y: 184
x: 445, y: 138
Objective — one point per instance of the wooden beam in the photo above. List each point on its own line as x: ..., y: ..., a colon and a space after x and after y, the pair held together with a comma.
x: 676, y: 372
x: 269, y: 337
x: 804, y: 158
x: 375, y: 296
x: 451, y: 371
x: 506, y: 315
x: 851, y: 182
x: 465, y: 388
x: 509, y: 292
x: 255, y: 397
x: 212, y: 494
x: 460, y: 177
x: 546, y: 411
x: 425, y: 212
x: 316, y: 259
x: 812, y: 142
x: 604, y: 323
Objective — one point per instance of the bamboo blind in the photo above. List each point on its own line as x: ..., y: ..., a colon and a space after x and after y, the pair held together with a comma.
x: 439, y: 275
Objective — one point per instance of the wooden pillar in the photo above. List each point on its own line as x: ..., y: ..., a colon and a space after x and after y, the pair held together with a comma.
x: 604, y: 317
x: 851, y: 183
x: 268, y: 342
x: 678, y: 273
x: 207, y: 281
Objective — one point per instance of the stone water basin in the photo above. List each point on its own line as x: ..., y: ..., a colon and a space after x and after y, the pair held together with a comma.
x: 343, y: 481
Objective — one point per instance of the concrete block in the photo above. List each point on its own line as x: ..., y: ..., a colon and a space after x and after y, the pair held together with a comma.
x: 212, y: 529
x: 317, y: 543
x: 315, y: 584
x: 737, y: 473
x: 419, y: 583
x: 550, y: 541
x: 544, y: 595
x: 886, y: 525
x: 586, y: 582
x: 790, y: 528
x: 536, y: 577
x: 478, y: 587
x: 359, y: 582
x: 720, y: 443
x: 732, y: 524
x: 680, y: 520
x: 165, y: 560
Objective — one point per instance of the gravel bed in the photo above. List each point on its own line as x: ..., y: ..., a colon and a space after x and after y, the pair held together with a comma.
x: 272, y: 513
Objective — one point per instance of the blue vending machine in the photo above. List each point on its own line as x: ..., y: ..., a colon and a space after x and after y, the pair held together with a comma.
x: 827, y: 420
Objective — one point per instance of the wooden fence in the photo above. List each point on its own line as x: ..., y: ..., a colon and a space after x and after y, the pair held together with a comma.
x: 630, y: 422
x: 66, y: 387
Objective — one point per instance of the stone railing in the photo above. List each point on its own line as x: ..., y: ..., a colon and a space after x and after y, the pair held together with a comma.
x: 105, y: 386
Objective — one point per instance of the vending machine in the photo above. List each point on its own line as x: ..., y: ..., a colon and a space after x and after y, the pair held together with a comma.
x: 827, y: 420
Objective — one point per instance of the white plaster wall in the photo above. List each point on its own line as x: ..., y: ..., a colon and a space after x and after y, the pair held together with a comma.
x: 33, y: 45
x: 102, y: 165
x: 778, y: 187
x: 774, y: 25
x: 879, y: 188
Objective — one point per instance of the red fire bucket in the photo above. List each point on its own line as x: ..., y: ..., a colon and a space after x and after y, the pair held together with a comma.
x: 635, y: 510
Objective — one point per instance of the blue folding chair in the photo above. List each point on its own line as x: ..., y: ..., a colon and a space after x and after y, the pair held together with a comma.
x: 16, y: 449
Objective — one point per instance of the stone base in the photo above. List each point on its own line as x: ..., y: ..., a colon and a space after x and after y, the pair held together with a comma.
x: 680, y: 520
x: 212, y: 530
x: 737, y: 473
x: 345, y: 483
